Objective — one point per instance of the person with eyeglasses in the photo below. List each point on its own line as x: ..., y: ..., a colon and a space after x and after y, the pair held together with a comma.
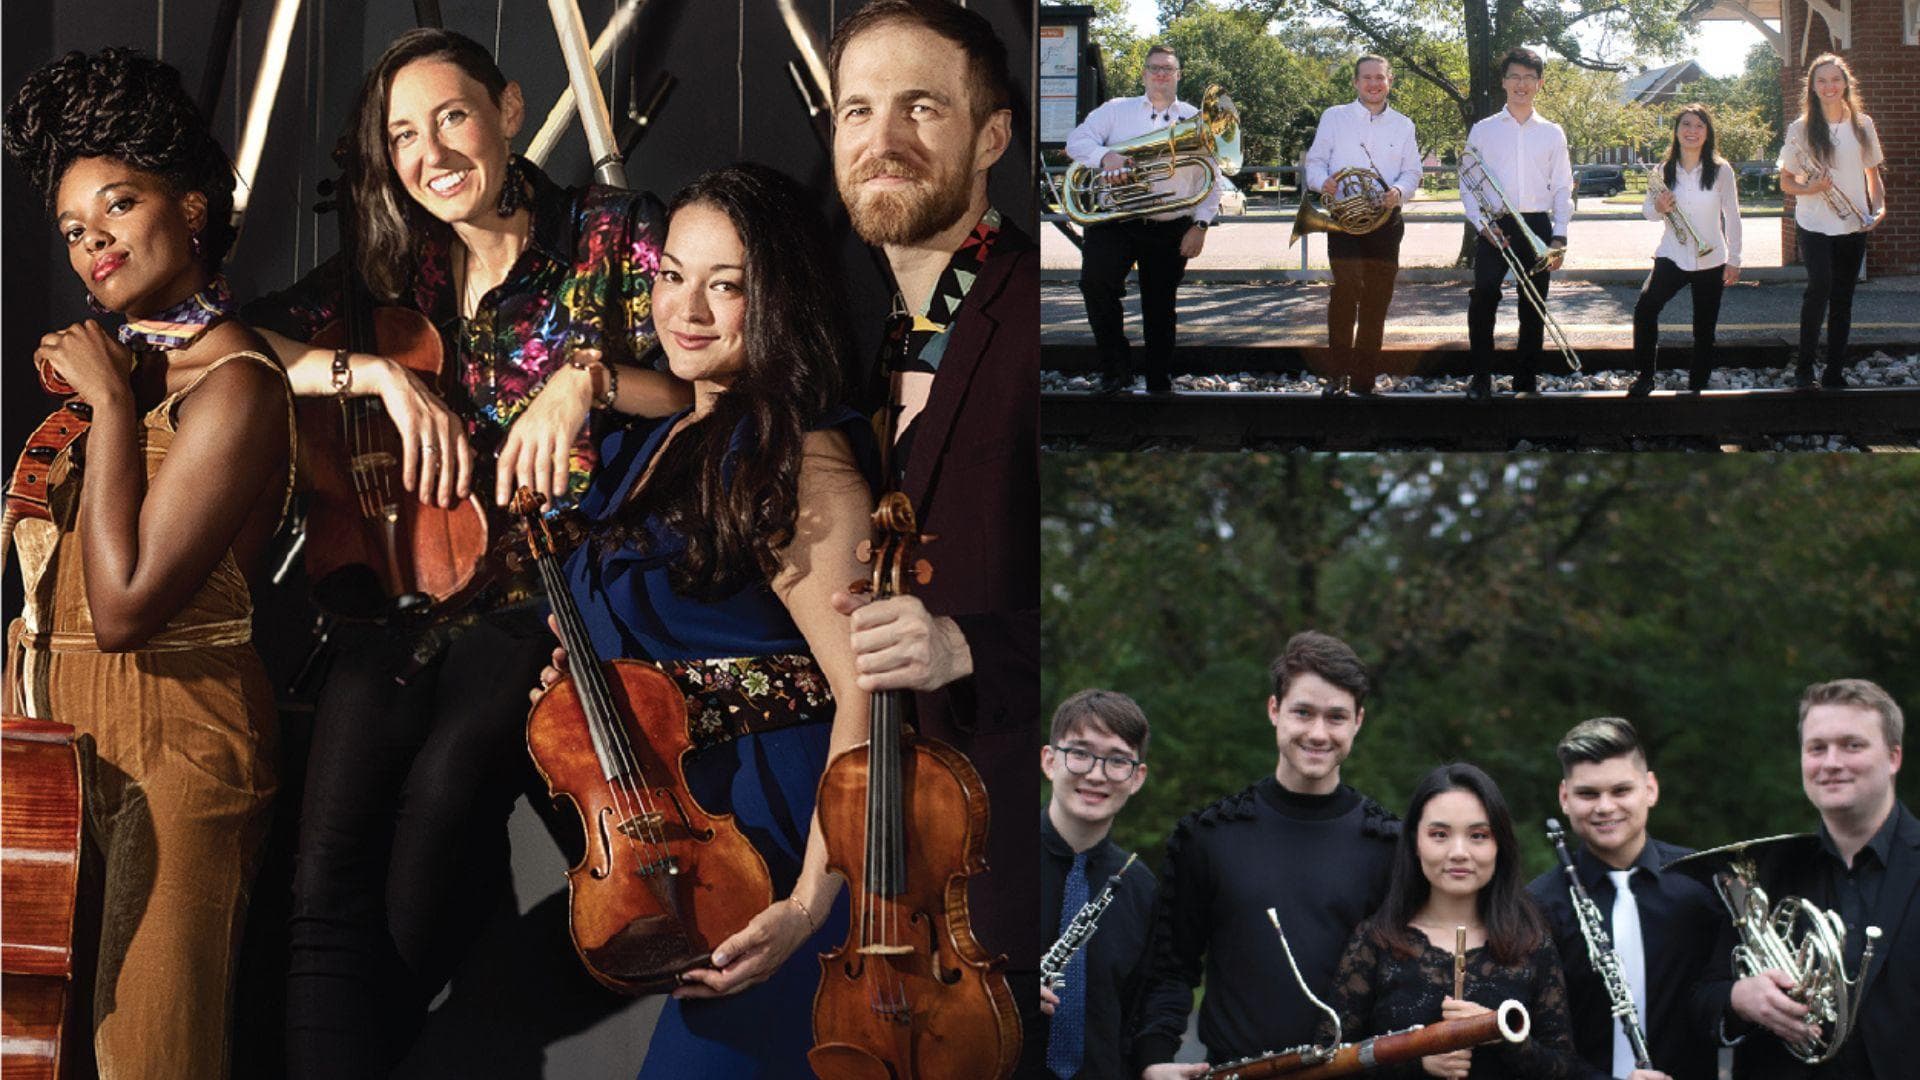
x: 1160, y: 244
x: 1298, y: 841
x: 1527, y: 154
x: 1093, y: 762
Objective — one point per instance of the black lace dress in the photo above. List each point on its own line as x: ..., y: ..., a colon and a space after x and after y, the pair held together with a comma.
x: 1378, y: 990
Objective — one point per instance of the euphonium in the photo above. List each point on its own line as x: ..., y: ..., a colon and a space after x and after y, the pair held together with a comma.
x: 1208, y: 141
x: 1794, y: 936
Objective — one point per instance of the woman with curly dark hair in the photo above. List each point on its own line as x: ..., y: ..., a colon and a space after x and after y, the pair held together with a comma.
x: 1457, y: 864
x: 720, y: 535
x: 136, y: 628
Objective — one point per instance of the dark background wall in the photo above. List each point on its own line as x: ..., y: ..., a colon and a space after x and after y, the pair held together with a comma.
x: 522, y: 1006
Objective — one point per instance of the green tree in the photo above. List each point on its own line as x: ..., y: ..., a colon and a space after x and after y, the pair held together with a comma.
x: 1587, y: 105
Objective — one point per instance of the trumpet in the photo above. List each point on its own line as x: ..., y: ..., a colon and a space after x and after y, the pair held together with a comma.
x: 1836, y: 199
x: 1208, y: 141
x: 1477, y: 183
x: 1815, y: 961
x: 1676, y: 217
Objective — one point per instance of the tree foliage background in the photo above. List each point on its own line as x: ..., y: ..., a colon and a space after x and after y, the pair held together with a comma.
x: 1498, y: 601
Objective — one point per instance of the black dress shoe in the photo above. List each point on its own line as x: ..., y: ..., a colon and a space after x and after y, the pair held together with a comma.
x: 1480, y: 388
x: 1803, y: 378
x: 1697, y: 379
x: 1111, y: 386
x: 1525, y: 384
x: 1642, y: 386
x: 1833, y: 378
x: 1336, y: 387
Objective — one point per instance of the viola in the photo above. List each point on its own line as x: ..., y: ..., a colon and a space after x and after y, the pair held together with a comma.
x: 911, y: 994
x: 27, y: 488
x: 663, y: 880
x: 372, y: 547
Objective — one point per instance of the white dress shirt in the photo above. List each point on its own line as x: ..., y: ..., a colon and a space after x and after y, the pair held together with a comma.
x: 1851, y: 160
x: 1530, y: 162
x: 1129, y: 118
x: 1714, y: 213
x: 1353, y: 137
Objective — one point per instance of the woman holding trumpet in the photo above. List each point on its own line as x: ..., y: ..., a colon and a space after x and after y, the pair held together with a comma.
x: 1697, y: 193
x: 1830, y: 162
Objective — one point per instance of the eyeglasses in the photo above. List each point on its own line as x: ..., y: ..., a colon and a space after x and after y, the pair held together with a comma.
x: 1523, y: 77
x: 1116, y: 767
x: 1162, y: 69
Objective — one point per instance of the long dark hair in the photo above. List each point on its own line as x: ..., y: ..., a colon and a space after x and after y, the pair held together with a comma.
x: 1709, y: 158
x: 387, y: 225
x: 132, y: 108
x: 729, y: 483
x: 1514, y: 926
x: 1813, y: 120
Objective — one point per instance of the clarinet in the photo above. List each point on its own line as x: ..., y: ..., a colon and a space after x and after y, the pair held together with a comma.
x: 1606, y: 962
x: 1053, y: 965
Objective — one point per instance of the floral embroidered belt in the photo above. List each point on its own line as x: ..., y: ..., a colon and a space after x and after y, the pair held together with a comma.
x: 728, y: 697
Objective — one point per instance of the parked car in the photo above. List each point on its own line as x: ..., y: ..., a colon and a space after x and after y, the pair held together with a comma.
x: 1232, y: 202
x: 1600, y: 180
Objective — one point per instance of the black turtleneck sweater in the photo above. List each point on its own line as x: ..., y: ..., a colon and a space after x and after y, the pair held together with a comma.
x: 1116, y: 954
x: 1321, y: 861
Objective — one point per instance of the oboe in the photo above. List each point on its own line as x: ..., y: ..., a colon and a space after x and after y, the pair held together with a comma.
x: 1085, y: 921
x: 1606, y: 962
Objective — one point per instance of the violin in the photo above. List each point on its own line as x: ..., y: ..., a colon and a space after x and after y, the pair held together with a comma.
x: 40, y: 816
x: 373, y: 549
x: 663, y: 881
x: 911, y: 995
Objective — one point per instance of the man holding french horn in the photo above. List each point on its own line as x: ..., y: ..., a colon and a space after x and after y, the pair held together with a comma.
x: 1365, y: 164
x: 1159, y: 243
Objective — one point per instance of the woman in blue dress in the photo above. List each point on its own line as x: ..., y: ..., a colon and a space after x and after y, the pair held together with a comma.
x: 717, y: 537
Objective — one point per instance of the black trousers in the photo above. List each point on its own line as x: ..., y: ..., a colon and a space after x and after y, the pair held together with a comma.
x: 1109, y: 252
x: 1667, y: 280
x: 403, y: 845
x: 1833, y: 269
x: 1364, y: 271
x: 1489, y: 268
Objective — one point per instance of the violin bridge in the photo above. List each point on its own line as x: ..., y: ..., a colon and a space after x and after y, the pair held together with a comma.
x: 650, y: 820
x: 885, y: 950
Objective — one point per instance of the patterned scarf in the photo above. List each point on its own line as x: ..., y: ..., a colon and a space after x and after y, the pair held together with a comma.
x: 917, y: 342
x: 183, y: 323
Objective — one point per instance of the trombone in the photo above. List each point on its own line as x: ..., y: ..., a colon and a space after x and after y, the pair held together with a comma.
x: 1676, y: 217
x: 1477, y: 183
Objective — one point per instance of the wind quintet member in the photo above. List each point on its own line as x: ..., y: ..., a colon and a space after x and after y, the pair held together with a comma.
x: 1457, y: 864
x: 542, y: 296
x: 1094, y: 761
x: 1830, y: 162
x: 1370, y: 135
x: 1526, y: 153
x: 1299, y: 841
x: 1702, y: 192
x: 1662, y: 924
x: 1865, y: 868
x: 923, y: 109
x: 1160, y: 244
x: 719, y: 536
x: 136, y: 626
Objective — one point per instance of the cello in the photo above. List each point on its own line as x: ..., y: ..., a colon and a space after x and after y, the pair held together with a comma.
x: 372, y: 548
x: 911, y: 994
x: 40, y: 816
x: 662, y: 881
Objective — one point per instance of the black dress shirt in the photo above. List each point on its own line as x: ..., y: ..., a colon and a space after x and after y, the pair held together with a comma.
x: 1116, y: 954
x: 1688, y: 983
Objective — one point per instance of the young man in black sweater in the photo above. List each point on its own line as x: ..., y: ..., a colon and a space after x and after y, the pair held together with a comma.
x: 1663, y: 924
x: 1298, y: 841
x: 1094, y: 760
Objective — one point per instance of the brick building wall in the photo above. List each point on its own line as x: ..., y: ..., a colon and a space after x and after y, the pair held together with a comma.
x: 1889, y: 74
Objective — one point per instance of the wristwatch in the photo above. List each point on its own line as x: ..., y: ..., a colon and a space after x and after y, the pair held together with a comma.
x: 1203, y: 224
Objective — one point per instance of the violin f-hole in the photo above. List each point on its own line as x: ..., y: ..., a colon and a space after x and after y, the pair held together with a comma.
x: 605, y: 866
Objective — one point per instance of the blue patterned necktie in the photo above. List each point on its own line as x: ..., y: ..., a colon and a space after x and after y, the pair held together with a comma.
x: 1067, y: 1035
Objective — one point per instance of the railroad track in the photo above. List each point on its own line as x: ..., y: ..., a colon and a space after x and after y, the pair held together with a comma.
x: 1868, y: 418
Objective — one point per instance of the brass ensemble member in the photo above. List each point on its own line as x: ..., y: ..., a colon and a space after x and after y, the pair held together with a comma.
x: 1365, y: 133
x: 1299, y: 841
x: 1527, y: 154
x: 1867, y: 871
x: 719, y: 537
x: 1159, y: 244
x: 922, y: 94
x: 1094, y: 761
x: 1703, y: 191
x: 1830, y: 162
x: 1457, y: 864
x: 542, y: 296
x: 1662, y: 924
x: 136, y: 627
